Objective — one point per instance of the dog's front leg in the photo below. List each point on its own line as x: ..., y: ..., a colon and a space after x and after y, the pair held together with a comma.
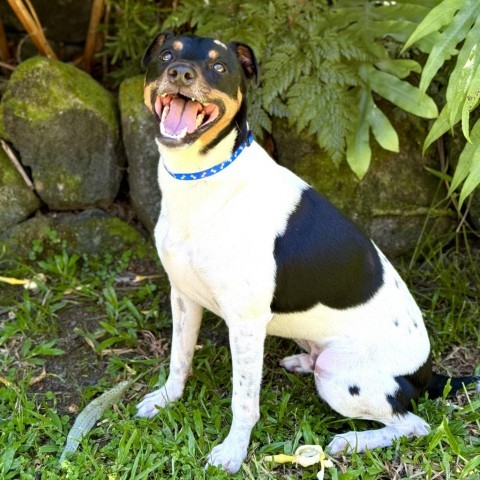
x: 246, y: 345
x: 187, y: 317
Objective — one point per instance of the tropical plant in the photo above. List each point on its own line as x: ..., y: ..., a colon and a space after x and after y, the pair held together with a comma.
x: 326, y: 64
x: 458, y: 22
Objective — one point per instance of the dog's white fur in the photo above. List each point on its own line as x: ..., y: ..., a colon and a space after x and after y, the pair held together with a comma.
x: 215, y: 238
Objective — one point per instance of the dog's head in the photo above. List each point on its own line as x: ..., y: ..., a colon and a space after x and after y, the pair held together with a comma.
x: 195, y: 87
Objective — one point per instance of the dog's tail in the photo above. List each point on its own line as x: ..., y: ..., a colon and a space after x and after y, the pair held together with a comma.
x: 437, y: 384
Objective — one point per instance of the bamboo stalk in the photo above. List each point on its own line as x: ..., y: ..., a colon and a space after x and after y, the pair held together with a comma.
x: 95, y: 17
x: 27, y: 16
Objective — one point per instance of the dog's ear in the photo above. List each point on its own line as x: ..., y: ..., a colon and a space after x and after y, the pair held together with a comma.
x: 247, y: 60
x: 155, y: 47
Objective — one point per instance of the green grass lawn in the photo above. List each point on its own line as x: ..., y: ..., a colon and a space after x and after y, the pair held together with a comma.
x: 91, y: 324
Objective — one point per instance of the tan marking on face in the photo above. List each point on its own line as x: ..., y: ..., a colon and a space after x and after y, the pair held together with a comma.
x: 177, y: 45
x: 231, y: 108
x: 147, y: 95
x: 213, y: 55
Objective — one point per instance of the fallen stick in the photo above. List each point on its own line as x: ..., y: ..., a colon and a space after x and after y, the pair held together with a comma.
x: 9, y: 152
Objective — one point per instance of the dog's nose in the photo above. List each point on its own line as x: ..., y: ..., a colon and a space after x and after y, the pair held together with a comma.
x: 181, y: 74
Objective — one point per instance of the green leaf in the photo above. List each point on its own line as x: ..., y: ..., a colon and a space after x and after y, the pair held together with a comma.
x: 452, y: 35
x: 382, y: 129
x: 359, y: 152
x: 400, y: 30
x: 439, y: 174
x: 399, y: 92
x: 470, y: 467
x: 464, y: 71
x: 473, y: 179
x: 396, y: 11
x: 111, y: 329
x: 442, y: 125
x: 439, y: 16
x: 471, y: 101
x: 401, y: 68
x: 468, y: 167
x: 46, y: 349
x: 450, y: 437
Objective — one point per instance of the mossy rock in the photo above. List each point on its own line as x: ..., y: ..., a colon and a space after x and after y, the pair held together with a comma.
x: 17, y: 200
x: 92, y: 232
x: 3, y: 133
x: 393, y: 203
x: 65, y: 126
x: 139, y: 130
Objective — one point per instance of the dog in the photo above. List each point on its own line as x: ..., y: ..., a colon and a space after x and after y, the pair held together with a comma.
x: 248, y: 240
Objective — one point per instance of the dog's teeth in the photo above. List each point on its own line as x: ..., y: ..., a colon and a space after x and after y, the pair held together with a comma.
x: 183, y: 133
x: 193, y: 99
x: 199, y: 121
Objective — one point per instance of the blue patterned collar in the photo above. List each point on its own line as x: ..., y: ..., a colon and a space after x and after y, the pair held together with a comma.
x: 216, y: 168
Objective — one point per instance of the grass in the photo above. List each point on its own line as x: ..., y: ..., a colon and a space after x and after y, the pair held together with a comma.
x: 90, y: 324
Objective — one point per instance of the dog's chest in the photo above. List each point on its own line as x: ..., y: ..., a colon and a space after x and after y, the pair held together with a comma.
x: 216, y: 244
x: 188, y: 261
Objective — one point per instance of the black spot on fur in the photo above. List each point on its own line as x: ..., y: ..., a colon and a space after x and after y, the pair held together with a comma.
x: 396, y: 322
x: 354, y: 390
x: 323, y: 258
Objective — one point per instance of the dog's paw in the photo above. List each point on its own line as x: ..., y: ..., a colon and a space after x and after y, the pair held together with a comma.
x: 229, y: 455
x: 301, y: 363
x: 155, y: 400
x: 345, y: 442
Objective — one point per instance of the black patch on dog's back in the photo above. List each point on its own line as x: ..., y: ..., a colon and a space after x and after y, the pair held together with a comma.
x: 323, y: 258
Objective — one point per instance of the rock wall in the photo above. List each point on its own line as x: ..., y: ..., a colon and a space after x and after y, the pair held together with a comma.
x: 81, y: 146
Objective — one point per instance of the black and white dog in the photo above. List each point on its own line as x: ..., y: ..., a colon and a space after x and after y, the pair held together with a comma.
x: 250, y: 241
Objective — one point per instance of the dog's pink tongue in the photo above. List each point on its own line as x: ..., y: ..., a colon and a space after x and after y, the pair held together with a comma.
x: 182, y: 114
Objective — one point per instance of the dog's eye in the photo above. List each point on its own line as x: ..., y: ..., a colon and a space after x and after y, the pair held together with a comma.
x: 167, y: 56
x: 219, y: 67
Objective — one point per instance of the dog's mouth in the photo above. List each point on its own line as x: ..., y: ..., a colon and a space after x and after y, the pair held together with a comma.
x: 181, y: 116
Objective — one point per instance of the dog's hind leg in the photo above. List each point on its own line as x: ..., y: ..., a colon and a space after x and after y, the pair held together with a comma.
x: 356, y: 388
x: 402, y: 425
x: 302, y: 362
x: 187, y: 317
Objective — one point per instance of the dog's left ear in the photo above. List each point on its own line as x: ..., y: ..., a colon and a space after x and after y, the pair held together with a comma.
x: 155, y: 47
x: 247, y: 60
